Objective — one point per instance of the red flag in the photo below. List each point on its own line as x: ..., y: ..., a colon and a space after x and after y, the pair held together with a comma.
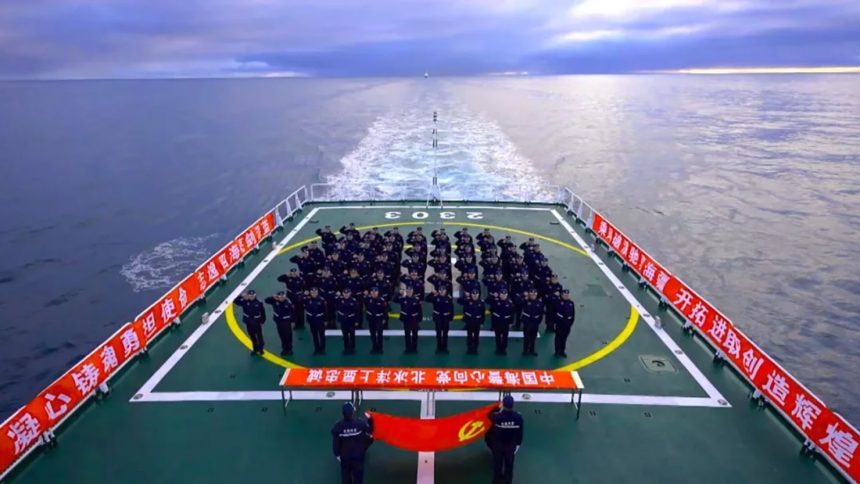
x: 431, y: 435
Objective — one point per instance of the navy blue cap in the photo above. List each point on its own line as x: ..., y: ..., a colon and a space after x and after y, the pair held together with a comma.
x: 503, y: 290
x: 374, y: 288
x: 566, y: 291
x: 475, y: 291
x: 508, y: 402
x: 293, y: 269
x: 346, y: 289
x: 281, y: 293
x: 252, y: 292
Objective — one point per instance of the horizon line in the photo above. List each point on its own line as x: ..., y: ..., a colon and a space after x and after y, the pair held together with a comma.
x: 685, y: 71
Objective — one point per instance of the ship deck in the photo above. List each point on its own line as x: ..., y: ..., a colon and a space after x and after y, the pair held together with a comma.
x: 656, y: 407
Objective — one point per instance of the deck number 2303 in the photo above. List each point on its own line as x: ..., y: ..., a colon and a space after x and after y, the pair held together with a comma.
x: 420, y: 215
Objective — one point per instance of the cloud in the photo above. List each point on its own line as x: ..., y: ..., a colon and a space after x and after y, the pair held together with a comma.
x: 166, y: 38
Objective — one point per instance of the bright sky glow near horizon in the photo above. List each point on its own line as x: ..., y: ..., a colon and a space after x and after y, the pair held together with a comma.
x: 61, y: 39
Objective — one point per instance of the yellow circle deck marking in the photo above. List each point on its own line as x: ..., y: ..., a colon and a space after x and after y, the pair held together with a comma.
x: 609, y: 348
x: 613, y: 345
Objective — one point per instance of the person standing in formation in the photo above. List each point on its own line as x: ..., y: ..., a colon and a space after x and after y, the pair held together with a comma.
x: 283, y: 313
x: 254, y: 316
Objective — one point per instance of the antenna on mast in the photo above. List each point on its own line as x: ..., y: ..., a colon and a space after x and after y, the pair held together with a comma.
x: 435, y: 191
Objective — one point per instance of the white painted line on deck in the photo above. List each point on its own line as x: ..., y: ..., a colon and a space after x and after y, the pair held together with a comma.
x: 694, y: 371
x: 455, y: 333
x: 198, y: 333
x: 477, y: 396
x: 427, y: 460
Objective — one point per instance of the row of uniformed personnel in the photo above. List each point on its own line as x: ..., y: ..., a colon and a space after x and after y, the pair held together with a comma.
x: 348, y: 311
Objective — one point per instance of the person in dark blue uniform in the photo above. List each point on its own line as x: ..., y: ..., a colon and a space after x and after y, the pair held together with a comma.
x: 504, y: 439
x: 440, y: 280
x: 351, y: 437
x: 463, y: 236
x: 410, y: 316
x: 466, y: 264
x: 329, y: 239
x: 347, y: 316
x: 531, y: 318
x: 376, y: 306
x: 494, y: 284
x: 415, y: 264
x: 443, y: 313
x: 416, y: 283
x: 416, y: 235
x: 551, y: 296
x: 502, y: 311
x: 357, y: 285
x: 337, y: 264
x: 350, y: 230
x: 295, y: 289
x: 442, y: 263
x: 519, y: 293
x: 473, y: 316
x: 468, y: 283
x: 485, y: 240
x: 316, y: 254
x: 315, y: 313
x: 306, y: 265
x: 565, y: 314
x: 490, y: 264
x: 283, y: 314
x: 328, y: 287
x: 254, y: 316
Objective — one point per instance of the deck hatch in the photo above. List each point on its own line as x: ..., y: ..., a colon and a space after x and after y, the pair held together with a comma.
x: 657, y: 364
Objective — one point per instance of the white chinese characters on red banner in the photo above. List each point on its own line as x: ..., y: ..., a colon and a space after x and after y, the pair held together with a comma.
x: 24, y: 429
x: 428, y: 378
x: 822, y: 426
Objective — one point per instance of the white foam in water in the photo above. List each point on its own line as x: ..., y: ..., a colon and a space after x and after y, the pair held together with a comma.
x: 162, y: 266
x: 476, y: 160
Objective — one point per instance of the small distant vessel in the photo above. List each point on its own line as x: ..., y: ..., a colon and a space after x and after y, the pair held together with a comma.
x: 426, y: 75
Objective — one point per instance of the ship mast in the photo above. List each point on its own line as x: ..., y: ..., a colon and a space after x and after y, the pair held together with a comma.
x: 435, y: 191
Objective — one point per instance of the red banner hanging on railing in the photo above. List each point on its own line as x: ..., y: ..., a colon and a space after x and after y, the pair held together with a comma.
x: 432, y: 435
x: 24, y: 429
x: 828, y: 431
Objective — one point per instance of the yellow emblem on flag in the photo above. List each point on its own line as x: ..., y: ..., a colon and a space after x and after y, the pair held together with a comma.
x: 471, y: 429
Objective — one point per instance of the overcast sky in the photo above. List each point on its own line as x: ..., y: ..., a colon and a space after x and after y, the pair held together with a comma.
x: 187, y: 38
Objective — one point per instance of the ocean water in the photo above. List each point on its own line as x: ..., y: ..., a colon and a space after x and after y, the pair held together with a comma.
x: 748, y: 187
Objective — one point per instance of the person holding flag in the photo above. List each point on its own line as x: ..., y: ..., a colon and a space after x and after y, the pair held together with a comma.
x: 351, y: 437
x: 504, y: 439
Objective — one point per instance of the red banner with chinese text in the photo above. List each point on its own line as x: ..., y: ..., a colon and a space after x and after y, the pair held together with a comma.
x: 430, y: 379
x: 828, y: 431
x: 432, y: 435
x: 24, y: 428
